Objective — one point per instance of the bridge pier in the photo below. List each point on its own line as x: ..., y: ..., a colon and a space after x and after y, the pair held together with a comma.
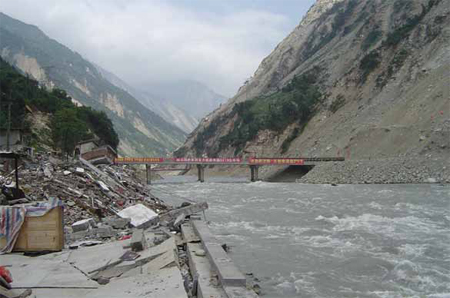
x: 148, y: 172
x: 254, y: 173
x: 201, y: 173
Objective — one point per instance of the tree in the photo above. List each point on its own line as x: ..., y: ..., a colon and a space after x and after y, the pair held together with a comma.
x: 68, y: 130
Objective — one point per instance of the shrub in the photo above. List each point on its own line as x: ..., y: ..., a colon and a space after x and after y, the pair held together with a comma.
x: 295, y: 103
x: 369, y: 63
x: 371, y: 39
x: 337, y: 103
x: 287, y: 142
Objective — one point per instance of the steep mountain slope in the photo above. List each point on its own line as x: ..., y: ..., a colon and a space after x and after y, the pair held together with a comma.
x: 141, y: 131
x: 164, y: 108
x: 382, y: 70
x: 192, y: 96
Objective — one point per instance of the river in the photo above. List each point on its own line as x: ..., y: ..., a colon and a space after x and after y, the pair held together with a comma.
x: 304, y: 240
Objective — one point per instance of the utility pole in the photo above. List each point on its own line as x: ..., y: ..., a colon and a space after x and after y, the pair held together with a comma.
x: 9, y: 126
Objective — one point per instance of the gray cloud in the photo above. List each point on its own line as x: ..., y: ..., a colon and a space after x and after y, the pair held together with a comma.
x: 159, y: 41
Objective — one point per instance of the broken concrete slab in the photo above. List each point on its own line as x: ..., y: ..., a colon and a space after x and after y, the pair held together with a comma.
x: 163, y: 283
x: 170, y: 217
x: 117, y: 223
x: 105, y: 231
x: 229, y: 274
x: 83, y: 225
x: 201, y: 267
x: 165, y: 260
x: 138, y: 214
x: 187, y: 211
x: 15, y: 293
x: 138, y: 241
x: 45, y: 271
x: 89, y: 259
x: 188, y: 233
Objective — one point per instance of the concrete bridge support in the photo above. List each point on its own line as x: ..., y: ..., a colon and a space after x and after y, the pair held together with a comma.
x: 148, y: 172
x: 254, y: 173
x: 201, y: 173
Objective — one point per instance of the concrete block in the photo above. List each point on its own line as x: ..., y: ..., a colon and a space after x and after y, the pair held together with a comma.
x: 78, y: 235
x: 138, y: 214
x: 83, y: 225
x: 201, y: 267
x: 105, y: 231
x: 138, y: 241
x: 229, y: 274
x: 188, y: 233
x: 117, y: 223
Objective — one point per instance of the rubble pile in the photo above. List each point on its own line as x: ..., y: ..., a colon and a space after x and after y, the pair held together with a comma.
x: 88, y: 193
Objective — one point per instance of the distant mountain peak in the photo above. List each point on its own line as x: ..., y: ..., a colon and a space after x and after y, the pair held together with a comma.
x: 141, y: 131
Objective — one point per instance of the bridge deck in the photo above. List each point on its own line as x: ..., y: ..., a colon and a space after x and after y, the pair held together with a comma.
x: 260, y: 161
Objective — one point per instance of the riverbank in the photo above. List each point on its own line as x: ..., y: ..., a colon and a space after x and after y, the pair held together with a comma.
x: 400, y: 170
x: 397, y: 170
x: 114, y: 238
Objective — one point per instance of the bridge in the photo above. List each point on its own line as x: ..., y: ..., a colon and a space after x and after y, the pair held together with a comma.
x: 252, y: 162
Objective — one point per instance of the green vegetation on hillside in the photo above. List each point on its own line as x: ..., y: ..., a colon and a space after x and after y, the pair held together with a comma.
x: 400, y: 33
x: 342, y: 14
x: 369, y: 63
x: 141, y: 131
x: 372, y: 38
x: 295, y: 103
x: 70, y: 124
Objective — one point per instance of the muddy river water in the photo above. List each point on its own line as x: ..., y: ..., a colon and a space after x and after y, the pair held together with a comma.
x: 329, y: 241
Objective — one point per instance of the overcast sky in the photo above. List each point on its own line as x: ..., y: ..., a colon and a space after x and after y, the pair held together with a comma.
x: 217, y: 42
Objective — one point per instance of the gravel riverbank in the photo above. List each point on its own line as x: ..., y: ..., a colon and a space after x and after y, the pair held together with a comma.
x: 381, y: 171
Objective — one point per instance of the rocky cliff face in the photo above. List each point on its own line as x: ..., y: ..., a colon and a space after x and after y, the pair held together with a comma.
x: 141, y: 131
x: 193, y: 97
x: 382, y: 68
x: 164, y: 108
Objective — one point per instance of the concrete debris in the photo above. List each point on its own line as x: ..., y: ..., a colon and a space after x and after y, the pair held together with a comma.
x: 83, y: 225
x: 104, y: 257
x: 138, y: 214
x: 79, y: 171
x: 138, y: 241
x: 117, y: 223
x: 200, y: 253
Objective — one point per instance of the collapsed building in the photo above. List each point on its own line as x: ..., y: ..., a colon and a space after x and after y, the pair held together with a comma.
x: 97, y: 231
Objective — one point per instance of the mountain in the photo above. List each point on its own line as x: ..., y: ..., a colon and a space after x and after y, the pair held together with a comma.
x: 193, y: 97
x: 362, y: 79
x: 141, y: 131
x: 164, y: 108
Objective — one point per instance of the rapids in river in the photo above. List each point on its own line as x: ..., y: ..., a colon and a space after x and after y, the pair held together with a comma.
x: 304, y: 240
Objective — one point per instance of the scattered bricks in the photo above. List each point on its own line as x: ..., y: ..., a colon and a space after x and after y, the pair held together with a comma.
x: 138, y: 241
x: 83, y: 225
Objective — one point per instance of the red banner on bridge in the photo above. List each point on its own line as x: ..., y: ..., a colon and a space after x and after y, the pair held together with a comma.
x: 139, y: 160
x: 276, y: 161
x: 206, y: 160
x: 182, y: 160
